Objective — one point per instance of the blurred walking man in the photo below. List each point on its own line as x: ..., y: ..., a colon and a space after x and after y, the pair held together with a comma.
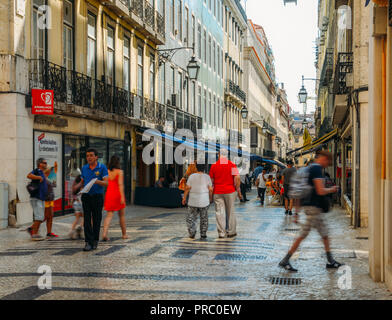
x: 314, y: 208
x: 287, y: 174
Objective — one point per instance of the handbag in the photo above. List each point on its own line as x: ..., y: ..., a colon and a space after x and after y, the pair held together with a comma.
x: 182, y: 184
x: 32, y: 188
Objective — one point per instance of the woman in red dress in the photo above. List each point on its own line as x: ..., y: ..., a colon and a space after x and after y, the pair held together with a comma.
x: 115, y: 198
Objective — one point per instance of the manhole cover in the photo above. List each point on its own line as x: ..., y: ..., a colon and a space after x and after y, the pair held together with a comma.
x: 285, y: 281
x: 362, y: 238
x: 292, y: 230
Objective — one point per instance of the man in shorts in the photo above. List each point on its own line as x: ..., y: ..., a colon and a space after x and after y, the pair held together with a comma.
x: 287, y: 174
x: 37, y: 199
x: 314, y: 210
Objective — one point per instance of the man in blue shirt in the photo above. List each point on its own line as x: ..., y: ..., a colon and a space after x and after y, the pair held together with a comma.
x: 93, y: 200
x: 37, y: 199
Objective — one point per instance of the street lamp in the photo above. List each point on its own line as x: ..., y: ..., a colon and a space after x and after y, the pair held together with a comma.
x: 244, y: 113
x: 302, y: 95
x: 193, y: 68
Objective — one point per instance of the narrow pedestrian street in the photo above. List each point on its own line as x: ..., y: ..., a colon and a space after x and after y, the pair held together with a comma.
x: 159, y: 261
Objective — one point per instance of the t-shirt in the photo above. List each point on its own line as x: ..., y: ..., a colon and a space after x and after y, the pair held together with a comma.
x: 257, y: 171
x: 315, y: 172
x: 199, y: 194
x: 42, y: 186
x: 288, y: 174
x: 223, y: 173
x: 99, y: 172
x: 261, y: 181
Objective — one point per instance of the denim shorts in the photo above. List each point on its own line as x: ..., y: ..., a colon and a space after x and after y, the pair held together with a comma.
x: 38, y: 209
x: 77, y: 205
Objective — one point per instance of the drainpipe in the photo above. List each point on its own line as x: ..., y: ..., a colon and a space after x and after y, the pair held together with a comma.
x: 356, y: 104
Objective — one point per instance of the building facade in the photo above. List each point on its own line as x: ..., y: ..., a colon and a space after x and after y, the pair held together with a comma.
x: 235, y: 26
x: 261, y: 91
x: 100, y: 60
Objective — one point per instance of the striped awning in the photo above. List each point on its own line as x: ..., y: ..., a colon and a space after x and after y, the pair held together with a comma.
x: 317, y: 143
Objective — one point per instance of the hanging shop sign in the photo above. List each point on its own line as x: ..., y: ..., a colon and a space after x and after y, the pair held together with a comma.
x: 42, y: 101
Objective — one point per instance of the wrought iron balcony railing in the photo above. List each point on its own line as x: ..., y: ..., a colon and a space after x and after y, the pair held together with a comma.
x: 72, y: 87
x: 269, y: 153
x: 235, y: 89
x: 344, y: 66
x: 160, y: 24
x: 327, y: 70
x: 269, y: 128
x: 149, y: 14
x: 137, y: 8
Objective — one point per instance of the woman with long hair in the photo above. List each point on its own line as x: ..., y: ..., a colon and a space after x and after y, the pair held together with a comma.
x: 115, y: 198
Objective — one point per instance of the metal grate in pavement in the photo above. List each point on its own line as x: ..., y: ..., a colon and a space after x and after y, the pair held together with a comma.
x: 292, y: 230
x: 285, y: 281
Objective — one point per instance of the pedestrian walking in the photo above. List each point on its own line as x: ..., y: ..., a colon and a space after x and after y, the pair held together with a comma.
x: 49, y: 205
x: 115, y: 197
x: 92, y: 201
x: 199, y: 188
x: 38, y: 189
x: 314, y: 207
x: 261, y: 186
x: 77, y: 225
x: 257, y: 171
x: 287, y: 174
x: 243, y: 187
x: 226, y: 182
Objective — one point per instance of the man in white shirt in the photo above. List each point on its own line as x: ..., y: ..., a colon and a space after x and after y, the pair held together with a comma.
x: 261, y: 187
x: 199, y: 188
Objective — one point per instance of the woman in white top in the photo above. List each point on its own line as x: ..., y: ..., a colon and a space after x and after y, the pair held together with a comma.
x: 199, y: 188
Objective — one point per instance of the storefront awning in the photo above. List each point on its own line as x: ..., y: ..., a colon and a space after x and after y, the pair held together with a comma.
x: 315, y: 145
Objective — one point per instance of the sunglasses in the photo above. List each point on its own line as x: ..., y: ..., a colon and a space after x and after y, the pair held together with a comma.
x: 44, y: 162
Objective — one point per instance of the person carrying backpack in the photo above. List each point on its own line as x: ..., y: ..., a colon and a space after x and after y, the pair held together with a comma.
x: 38, y: 189
x: 314, y: 202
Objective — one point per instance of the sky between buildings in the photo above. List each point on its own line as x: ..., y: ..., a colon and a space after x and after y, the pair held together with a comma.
x: 291, y: 32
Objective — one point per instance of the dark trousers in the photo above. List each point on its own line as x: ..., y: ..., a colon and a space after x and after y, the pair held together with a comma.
x: 243, y: 191
x: 261, y: 193
x: 92, y: 211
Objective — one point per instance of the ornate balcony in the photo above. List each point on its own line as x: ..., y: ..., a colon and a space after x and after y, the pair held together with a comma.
x: 149, y: 14
x: 269, y: 153
x: 327, y: 70
x: 344, y: 67
x: 236, y: 91
x: 79, y: 95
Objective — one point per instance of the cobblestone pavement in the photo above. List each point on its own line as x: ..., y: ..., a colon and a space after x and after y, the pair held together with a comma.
x: 160, y: 262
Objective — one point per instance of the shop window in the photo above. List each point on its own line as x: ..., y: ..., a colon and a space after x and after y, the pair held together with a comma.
x: 101, y: 146
x: 74, y: 160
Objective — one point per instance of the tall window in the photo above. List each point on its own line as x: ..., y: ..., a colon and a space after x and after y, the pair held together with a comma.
x: 179, y: 90
x: 140, y: 70
x: 209, y: 110
x: 213, y: 56
x: 110, y: 55
x: 205, y: 46
x: 68, y: 35
x: 162, y: 83
x: 199, y: 40
x: 204, y: 110
x: 173, y: 80
x: 214, y: 111
x: 209, y: 4
x: 186, y: 26
x: 38, y: 34
x: 214, y: 7
x: 193, y: 98
x: 198, y: 113
x: 172, y: 14
x: 193, y: 31
x: 126, y: 64
x: 180, y: 20
x: 209, y: 51
x: 152, y: 77
x: 91, y: 45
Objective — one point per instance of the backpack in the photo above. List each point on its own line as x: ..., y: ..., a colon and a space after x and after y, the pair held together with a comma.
x: 33, y: 186
x: 299, y: 184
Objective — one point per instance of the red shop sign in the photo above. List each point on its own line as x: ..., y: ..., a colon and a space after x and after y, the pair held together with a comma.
x: 42, y: 101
